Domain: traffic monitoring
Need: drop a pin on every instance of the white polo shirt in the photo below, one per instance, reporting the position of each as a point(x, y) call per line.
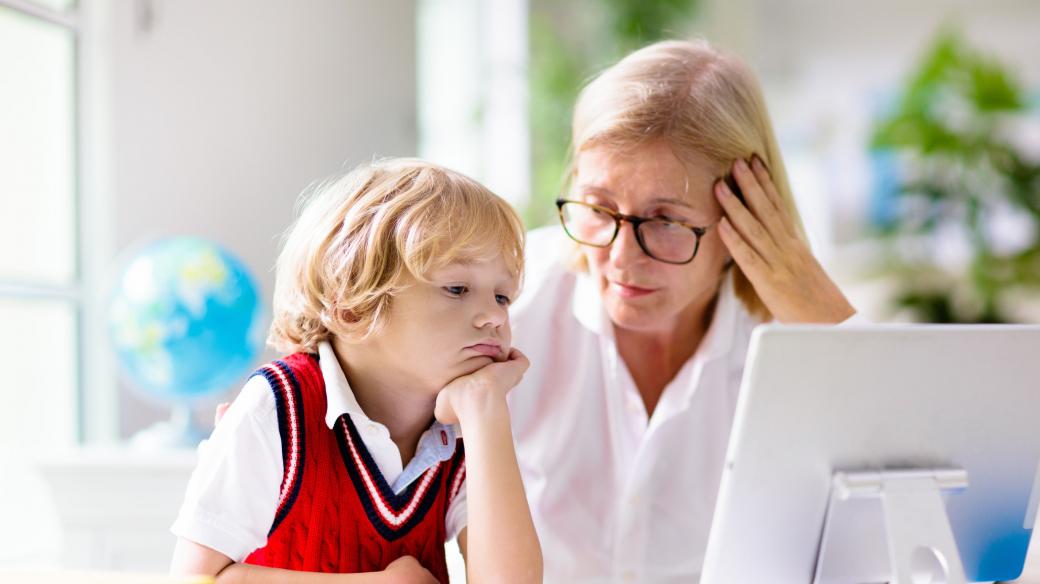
point(232, 496)
point(617, 496)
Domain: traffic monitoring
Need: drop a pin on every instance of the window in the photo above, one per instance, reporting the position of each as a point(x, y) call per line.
point(40, 279)
point(472, 68)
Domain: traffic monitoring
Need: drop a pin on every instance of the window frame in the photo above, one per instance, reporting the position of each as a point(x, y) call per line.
point(94, 392)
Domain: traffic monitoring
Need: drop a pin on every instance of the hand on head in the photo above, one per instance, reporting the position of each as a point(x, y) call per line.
point(767, 245)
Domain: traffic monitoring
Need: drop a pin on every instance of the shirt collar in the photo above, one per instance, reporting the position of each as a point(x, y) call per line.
point(587, 307)
point(435, 445)
point(338, 394)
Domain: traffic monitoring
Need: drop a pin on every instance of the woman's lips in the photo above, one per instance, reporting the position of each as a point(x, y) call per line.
point(629, 291)
point(486, 349)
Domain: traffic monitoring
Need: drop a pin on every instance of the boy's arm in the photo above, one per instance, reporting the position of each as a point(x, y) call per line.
point(192, 558)
point(197, 559)
point(505, 546)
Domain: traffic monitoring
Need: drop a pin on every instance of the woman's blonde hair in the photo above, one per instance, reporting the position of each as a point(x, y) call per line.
point(706, 104)
point(359, 237)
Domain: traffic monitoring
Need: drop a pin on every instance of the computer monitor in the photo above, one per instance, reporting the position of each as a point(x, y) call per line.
point(819, 401)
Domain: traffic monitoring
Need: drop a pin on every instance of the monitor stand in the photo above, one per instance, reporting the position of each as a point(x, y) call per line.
point(890, 526)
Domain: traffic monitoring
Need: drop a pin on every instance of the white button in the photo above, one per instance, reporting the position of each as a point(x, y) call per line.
point(373, 429)
point(629, 576)
point(635, 499)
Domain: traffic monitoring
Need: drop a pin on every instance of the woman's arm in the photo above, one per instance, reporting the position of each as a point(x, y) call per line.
point(505, 546)
point(192, 558)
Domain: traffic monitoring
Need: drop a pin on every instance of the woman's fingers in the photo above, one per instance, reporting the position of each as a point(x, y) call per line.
point(756, 186)
point(750, 262)
point(743, 222)
point(773, 195)
point(765, 180)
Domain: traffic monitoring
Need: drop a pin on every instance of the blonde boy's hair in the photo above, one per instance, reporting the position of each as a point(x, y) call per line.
point(706, 104)
point(359, 238)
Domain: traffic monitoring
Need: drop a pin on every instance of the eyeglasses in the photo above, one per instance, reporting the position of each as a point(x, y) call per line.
point(665, 240)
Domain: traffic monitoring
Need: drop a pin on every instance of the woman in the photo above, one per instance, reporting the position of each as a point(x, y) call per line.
point(637, 314)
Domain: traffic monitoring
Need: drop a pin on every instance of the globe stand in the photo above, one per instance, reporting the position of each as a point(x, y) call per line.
point(179, 431)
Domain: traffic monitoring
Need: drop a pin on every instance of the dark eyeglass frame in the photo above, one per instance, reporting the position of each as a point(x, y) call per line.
point(635, 221)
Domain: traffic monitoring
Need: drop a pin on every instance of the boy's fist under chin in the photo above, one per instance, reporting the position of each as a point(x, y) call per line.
point(481, 391)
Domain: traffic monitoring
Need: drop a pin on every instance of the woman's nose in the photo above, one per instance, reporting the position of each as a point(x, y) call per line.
point(626, 249)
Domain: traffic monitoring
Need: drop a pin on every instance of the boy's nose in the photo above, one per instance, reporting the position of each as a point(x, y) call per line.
point(493, 314)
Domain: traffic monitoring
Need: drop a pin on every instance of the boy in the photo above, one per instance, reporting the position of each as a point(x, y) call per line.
point(391, 299)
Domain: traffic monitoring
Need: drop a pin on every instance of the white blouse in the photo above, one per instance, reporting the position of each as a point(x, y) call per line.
point(617, 496)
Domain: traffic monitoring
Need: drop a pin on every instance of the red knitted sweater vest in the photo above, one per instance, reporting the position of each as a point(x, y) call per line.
point(336, 512)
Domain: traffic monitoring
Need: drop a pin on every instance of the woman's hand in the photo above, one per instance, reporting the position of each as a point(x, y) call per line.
point(484, 388)
point(765, 243)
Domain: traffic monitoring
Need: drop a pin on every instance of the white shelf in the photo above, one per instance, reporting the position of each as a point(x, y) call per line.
point(115, 505)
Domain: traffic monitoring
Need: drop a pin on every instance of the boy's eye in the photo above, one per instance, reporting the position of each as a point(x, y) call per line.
point(502, 299)
point(455, 290)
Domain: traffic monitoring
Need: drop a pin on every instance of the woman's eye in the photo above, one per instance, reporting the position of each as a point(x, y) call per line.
point(455, 290)
point(596, 202)
point(672, 221)
point(502, 299)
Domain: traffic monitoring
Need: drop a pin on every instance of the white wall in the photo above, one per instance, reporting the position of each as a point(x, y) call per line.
point(222, 112)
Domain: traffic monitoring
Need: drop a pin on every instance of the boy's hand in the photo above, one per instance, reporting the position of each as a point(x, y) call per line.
point(484, 388)
point(407, 570)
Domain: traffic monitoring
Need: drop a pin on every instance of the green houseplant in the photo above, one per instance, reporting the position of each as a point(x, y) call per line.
point(953, 133)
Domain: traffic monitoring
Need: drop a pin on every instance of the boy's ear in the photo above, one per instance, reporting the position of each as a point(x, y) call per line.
point(335, 315)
